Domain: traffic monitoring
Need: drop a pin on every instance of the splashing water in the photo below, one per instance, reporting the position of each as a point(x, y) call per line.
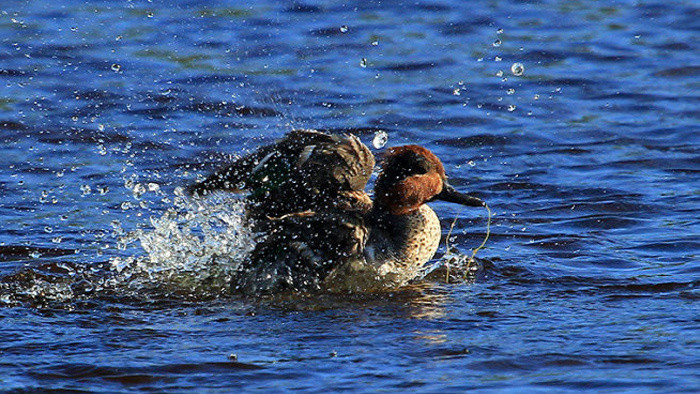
point(194, 248)
point(380, 139)
point(517, 69)
point(465, 266)
point(192, 251)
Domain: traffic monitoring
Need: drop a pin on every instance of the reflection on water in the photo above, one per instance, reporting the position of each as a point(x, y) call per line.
point(428, 301)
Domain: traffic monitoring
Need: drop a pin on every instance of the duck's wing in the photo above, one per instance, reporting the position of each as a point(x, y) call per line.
point(300, 250)
point(235, 177)
point(306, 170)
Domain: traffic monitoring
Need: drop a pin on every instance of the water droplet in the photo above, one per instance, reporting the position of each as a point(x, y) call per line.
point(497, 43)
point(517, 69)
point(118, 38)
point(48, 229)
point(375, 43)
point(85, 190)
point(471, 163)
point(101, 127)
point(126, 205)
point(149, 14)
point(57, 240)
point(74, 28)
point(497, 59)
point(363, 62)
point(380, 139)
point(116, 67)
point(510, 91)
point(511, 108)
point(499, 73)
point(103, 190)
point(138, 190)
point(153, 187)
point(536, 97)
point(499, 31)
point(344, 29)
point(456, 92)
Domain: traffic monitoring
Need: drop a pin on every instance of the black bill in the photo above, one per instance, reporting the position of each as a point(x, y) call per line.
point(450, 194)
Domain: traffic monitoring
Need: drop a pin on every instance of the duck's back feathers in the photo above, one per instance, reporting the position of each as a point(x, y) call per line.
point(306, 170)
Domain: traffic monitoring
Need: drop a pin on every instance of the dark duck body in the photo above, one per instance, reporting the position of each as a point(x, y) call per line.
point(306, 170)
point(320, 230)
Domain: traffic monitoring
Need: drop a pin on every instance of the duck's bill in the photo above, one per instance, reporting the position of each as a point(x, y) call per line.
point(450, 194)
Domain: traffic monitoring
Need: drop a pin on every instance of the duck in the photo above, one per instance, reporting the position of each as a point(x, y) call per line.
point(319, 230)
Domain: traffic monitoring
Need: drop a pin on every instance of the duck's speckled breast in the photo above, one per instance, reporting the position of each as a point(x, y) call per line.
point(414, 244)
point(395, 253)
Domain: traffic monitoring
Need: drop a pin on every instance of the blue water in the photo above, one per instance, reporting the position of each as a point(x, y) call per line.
point(590, 161)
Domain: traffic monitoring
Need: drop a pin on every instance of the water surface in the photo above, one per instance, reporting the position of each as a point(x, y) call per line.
point(110, 281)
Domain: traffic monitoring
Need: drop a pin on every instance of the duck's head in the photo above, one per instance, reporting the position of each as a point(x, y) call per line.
point(411, 176)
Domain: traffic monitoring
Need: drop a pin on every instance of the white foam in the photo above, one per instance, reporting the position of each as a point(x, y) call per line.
point(194, 248)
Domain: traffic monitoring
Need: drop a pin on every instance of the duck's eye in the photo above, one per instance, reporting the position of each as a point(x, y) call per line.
point(402, 167)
